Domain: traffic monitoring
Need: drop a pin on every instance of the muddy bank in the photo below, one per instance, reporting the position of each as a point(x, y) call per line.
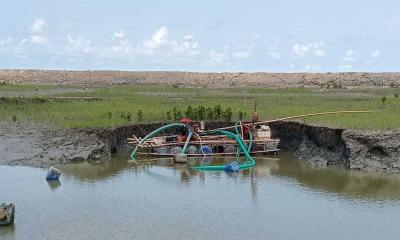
point(201, 79)
point(373, 151)
point(40, 146)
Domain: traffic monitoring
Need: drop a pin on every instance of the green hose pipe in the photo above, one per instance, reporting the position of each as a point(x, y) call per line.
point(152, 134)
point(248, 164)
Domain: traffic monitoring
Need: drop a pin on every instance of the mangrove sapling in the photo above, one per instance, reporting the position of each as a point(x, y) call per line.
point(217, 112)
point(201, 112)
point(189, 112)
point(228, 114)
point(209, 114)
point(240, 115)
point(140, 116)
point(383, 100)
point(179, 115)
point(110, 115)
point(129, 117)
point(169, 117)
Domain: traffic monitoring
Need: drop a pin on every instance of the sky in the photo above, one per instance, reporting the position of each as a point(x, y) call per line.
point(206, 35)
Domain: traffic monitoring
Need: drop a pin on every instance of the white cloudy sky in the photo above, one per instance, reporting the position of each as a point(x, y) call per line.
point(207, 35)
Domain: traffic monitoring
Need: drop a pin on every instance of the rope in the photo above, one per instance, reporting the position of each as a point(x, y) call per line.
point(291, 117)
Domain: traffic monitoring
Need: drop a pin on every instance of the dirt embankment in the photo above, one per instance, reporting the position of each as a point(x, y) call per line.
point(373, 151)
point(229, 79)
point(39, 146)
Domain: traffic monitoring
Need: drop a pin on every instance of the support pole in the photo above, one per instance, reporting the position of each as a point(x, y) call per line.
point(187, 142)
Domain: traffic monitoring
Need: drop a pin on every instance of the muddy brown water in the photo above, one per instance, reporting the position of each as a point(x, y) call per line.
point(281, 198)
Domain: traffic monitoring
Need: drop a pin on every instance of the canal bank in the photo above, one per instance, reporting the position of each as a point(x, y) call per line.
point(40, 146)
point(362, 150)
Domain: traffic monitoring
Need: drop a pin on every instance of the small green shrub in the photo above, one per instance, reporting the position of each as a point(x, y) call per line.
point(129, 117)
point(217, 112)
point(228, 114)
point(140, 116)
point(169, 117)
point(109, 115)
point(189, 112)
point(240, 115)
point(201, 112)
point(209, 114)
point(383, 100)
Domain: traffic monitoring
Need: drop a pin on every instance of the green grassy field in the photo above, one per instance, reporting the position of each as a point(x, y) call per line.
point(67, 107)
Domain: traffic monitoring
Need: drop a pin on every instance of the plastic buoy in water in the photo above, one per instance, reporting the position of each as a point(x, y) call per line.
point(53, 174)
point(232, 167)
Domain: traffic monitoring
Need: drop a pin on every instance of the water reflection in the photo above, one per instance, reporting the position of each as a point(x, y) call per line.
point(89, 171)
point(53, 185)
point(350, 184)
point(8, 232)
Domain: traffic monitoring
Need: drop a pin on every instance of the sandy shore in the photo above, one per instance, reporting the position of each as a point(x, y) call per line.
point(231, 79)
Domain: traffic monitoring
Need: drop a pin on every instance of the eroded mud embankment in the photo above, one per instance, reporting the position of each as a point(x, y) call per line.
point(318, 146)
point(353, 149)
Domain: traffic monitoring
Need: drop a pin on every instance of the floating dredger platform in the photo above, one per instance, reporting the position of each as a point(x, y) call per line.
point(193, 139)
point(189, 138)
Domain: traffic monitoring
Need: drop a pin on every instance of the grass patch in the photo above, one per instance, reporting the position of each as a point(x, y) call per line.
point(121, 105)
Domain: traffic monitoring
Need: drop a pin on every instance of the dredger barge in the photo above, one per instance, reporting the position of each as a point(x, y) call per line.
point(188, 138)
point(192, 139)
